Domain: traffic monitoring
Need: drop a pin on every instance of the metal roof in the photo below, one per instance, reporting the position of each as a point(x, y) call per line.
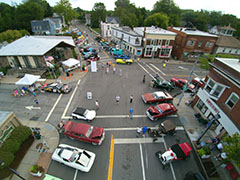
point(155, 30)
point(34, 45)
point(232, 63)
point(194, 32)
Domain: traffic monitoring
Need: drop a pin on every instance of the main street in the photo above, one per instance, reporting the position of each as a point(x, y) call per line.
point(128, 157)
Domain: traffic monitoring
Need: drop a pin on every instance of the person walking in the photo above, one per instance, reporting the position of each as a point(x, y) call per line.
point(107, 69)
point(131, 113)
point(131, 98)
point(36, 101)
point(144, 130)
point(144, 78)
point(97, 105)
point(139, 130)
point(120, 72)
point(102, 66)
point(114, 70)
point(117, 99)
point(34, 94)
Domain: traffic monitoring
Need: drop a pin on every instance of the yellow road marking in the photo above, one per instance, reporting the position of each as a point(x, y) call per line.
point(110, 167)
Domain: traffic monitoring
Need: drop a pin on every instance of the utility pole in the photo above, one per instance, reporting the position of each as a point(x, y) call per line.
point(189, 79)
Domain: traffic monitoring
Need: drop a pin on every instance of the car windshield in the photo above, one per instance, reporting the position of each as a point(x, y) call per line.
point(155, 95)
point(89, 132)
point(160, 110)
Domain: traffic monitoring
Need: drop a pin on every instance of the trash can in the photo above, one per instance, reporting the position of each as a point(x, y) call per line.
point(89, 95)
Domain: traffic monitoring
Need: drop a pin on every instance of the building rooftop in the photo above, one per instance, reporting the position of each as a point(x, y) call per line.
point(34, 45)
point(228, 41)
point(126, 30)
point(232, 63)
point(3, 115)
point(154, 30)
point(194, 32)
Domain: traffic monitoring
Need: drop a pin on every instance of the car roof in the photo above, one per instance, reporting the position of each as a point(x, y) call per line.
point(160, 94)
point(80, 128)
point(164, 106)
point(79, 110)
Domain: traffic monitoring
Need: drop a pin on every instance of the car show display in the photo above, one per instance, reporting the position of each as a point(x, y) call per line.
point(180, 82)
point(57, 88)
point(124, 61)
point(74, 157)
point(169, 86)
point(83, 113)
point(158, 96)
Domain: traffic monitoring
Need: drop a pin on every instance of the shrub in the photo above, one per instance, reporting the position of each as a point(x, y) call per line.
point(21, 133)
point(7, 157)
point(74, 54)
point(11, 145)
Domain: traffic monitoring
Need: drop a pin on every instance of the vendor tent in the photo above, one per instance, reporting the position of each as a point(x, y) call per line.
point(71, 62)
point(28, 79)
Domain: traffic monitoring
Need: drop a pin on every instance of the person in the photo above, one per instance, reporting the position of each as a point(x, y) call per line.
point(157, 76)
point(102, 65)
point(144, 130)
point(131, 113)
point(144, 78)
point(97, 104)
point(152, 84)
point(113, 65)
point(107, 70)
point(120, 72)
point(36, 101)
point(139, 130)
point(131, 98)
point(114, 70)
point(34, 94)
point(109, 63)
point(155, 138)
point(117, 99)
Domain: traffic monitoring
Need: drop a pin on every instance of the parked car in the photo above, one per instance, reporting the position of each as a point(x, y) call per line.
point(161, 110)
point(121, 56)
point(84, 132)
point(83, 113)
point(158, 96)
point(163, 84)
point(92, 59)
point(175, 152)
point(74, 157)
point(124, 61)
point(180, 82)
point(57, 88)
point(197, 82)
point(116, 51)
point(90, 54)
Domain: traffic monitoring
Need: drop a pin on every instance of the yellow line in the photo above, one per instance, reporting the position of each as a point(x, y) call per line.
point(110, 167)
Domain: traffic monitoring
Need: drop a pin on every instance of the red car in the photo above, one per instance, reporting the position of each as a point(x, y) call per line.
point(160, 110)
point(158, 96)
point(180, 82)
point(84, 132)
point(92, 59)
point(198, 82)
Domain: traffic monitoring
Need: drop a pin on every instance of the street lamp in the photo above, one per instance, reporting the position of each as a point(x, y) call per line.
point(12, 170)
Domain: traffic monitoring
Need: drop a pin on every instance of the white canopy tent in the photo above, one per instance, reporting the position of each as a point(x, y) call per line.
point(71, 62)
point(28, 79)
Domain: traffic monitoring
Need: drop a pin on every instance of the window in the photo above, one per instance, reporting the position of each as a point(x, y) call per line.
point(165, 52)
point(38, 65)
point(129, 38)
point(167, 42)
point(122, 36)
point(236, 51)
point(209, 86)
point(108, 27)
point(201, 106)
point(148, 52)
point(217, 91)
point(26, 62)
point(232, 100)
point(153, 42)
point(137, 41)
point(190, 43)
point(209, 44)
point(200, 44)
point(214, 89)
point(230, 50)
point(224, 49)
point(159, 42)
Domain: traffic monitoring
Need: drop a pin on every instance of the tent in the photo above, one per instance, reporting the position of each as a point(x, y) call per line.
point(71, 62)
point(28, 79)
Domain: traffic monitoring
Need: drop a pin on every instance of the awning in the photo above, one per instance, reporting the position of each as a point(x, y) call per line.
point(28, 79)
point(71, 62)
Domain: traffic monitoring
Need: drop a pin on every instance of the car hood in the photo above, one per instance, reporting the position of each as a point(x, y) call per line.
point(97, 132)
point(153, 109)
point(191, 87)
point(91, 114)
point(148, 96)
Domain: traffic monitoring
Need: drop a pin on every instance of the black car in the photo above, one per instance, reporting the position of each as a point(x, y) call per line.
point(90, 55)
point(57, 88)
point(163, 84)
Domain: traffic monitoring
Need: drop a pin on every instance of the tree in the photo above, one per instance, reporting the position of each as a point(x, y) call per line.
point(64, 8)
point(7, 17)
point(169, 8)
point(26, 13)
point(157, 19)
point(48, 11)
point(232, 147)
point(98, 14)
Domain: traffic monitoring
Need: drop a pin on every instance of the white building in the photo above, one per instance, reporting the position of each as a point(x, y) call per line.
point(106, 27)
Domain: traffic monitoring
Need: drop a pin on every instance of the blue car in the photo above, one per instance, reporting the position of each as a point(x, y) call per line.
point(121, 57)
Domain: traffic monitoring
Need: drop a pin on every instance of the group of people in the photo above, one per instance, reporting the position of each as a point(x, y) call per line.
point(141, 131)
point(108, 65)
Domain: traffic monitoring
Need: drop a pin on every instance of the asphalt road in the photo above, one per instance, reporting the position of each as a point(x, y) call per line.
point(132, 158)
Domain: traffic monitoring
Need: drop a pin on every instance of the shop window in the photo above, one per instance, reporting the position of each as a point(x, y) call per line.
point(232, 100)
point(159, 42)
point(165, 52)
point(167, 42)
point(148, 52)
point(200, 44)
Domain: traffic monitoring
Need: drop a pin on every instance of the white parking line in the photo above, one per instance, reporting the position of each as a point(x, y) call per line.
point(75, 175)
point(154, 71)
point(145, 70)
point(137, 140)
point(143, 169)
point(157, 69)
point(50, 113)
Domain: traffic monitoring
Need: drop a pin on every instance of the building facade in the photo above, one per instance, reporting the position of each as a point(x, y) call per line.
point(157, 42)
point(106, 27)
point(127, 39)
point(190, 43)
point(221, 95)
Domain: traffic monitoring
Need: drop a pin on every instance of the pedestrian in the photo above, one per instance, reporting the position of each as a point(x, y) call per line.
point(97, 104)
point(144, 130)
point(117, 99)
point(109, 63)
point(144, 78)
point(120, 72)
point(164, 65)
point(102, 66)
point(36, 101)
point(114, 70)
point(131, 113)
point(139, 130)
point(157, 76)
point(107, 70)
point(131, 98)
point(34, 94)
point(113, 65)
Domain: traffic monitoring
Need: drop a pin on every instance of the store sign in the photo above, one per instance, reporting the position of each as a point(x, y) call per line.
point(212, 105)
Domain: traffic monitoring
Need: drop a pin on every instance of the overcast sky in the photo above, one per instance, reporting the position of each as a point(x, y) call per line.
point(226, 6)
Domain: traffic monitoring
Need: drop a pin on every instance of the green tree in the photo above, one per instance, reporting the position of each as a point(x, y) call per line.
point(98, 14)
point(26, 13)
point(48, 10)
point(141, 14)
point(64, 8)
point(157, 19)
point(7, 17)
point(231, 147)
point(169, 8)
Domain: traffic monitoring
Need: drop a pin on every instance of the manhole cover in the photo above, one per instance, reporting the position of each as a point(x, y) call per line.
point(34, 118)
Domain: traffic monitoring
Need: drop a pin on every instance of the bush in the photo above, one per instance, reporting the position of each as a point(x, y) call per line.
point(74, 54)
point(21, 133)
point(7, 157)
point(11, 145)
point(5, 69)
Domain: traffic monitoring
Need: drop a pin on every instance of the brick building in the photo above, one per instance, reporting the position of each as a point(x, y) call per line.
point(221, 95)
point(190, 43)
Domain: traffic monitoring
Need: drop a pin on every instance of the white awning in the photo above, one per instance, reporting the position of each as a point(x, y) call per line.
point(28, 79)
point(71, 62)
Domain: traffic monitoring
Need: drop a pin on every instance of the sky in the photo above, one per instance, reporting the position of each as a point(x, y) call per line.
point(227, 7)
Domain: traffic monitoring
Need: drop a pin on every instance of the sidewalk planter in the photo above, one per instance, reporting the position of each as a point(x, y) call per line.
point(36, 170)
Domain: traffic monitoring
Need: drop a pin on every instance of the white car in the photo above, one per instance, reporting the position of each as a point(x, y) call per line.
point(74, 157)
point(83, 113)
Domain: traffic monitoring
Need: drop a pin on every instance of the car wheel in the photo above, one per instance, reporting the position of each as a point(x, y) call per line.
point(71, 138)
point(95, 144)
point(157, 153)
point(74, 117)
point(88, 120)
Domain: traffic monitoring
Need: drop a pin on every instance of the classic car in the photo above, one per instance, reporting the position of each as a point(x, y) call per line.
point(163, 84)
point(158, 96)
point(83, 113)
point(124, 61)
point(57, 88)
point(180, 82)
